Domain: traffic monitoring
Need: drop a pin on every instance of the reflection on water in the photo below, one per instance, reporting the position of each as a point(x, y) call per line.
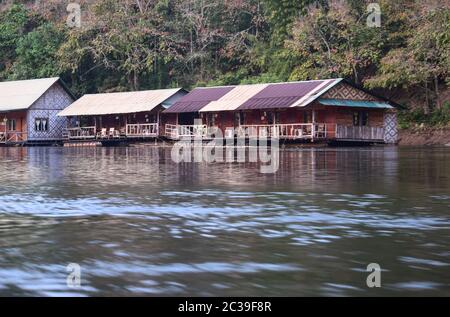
point(138, 223)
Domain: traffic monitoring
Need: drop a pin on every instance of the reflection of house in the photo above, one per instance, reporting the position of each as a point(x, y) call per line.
point(119, 115)
point(310, 110)
point(28, 110)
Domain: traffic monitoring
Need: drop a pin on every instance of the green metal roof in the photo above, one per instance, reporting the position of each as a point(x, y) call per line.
point(355, 103)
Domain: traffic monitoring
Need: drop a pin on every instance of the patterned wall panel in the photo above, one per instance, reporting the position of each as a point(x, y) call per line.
point(48, 106)
point(390, 127)
point(345, 91)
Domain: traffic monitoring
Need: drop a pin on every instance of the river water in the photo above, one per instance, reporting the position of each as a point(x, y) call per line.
point(139, 224)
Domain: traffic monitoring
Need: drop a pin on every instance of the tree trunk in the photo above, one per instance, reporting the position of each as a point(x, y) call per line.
point(427, 100)
point(355, 72)
point(135, 81)
point(436, 91)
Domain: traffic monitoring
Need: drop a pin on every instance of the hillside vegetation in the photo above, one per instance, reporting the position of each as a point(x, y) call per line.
point(146, 44)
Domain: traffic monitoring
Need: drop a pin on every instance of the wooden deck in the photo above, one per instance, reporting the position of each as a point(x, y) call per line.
point(130, 131)
point(176, 132)
point(146, 130)
point(296, 131)
point(359, 133)
point(13, 138)
point(300, 131)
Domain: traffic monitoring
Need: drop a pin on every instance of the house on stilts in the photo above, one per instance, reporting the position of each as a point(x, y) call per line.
point(112, 117)
point(332, 110)
point(29, 108)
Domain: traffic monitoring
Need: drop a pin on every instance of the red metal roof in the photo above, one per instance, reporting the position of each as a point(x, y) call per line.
point(197, 99)
point(280, 95)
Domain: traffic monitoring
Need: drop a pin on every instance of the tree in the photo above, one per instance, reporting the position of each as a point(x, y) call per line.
point(36, 53)
point(217, 33)
point(334, 41)
point(423, 62)
point(282, 14)
point(13, 23)
point(124, 37)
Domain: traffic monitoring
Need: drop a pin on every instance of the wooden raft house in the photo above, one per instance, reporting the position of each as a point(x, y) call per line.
point(28, 111)
point(116, 117)
point(332, 110)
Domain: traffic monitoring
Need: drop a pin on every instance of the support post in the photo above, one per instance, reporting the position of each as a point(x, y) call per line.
point(313, 130)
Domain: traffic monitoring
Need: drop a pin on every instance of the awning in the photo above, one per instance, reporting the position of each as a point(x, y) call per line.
point(355, 103)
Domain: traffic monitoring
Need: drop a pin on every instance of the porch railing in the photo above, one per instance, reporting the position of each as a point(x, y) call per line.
point(179, 131)
point(80, 133)
point(142, 130)
point(285, 131)
point(359, 133)
point(13, 137)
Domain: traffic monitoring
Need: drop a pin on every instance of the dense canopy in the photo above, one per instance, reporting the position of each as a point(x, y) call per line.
point(127, 45)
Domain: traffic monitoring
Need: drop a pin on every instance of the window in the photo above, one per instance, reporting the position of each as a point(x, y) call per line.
point(11, 124)
point(242, 118)
point(273, 117)
point(360, 118)
point(356, 119)
point(364, 118)
point(211, 119)
point(307, 117)
point(41, 124)
point(239, 119)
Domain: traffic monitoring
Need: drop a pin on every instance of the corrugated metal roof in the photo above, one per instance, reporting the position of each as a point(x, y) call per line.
point(355, 103)
point(21, 94)
point(119, 102)
point(285, 95)
point(197, 99)
point(316, 92)
point(235, 98)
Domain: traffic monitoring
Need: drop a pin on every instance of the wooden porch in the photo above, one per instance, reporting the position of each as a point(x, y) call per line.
point(297, 131)
point(359, 133)
point(280, 131)
point(129, 131)
point(285, 131)
point(13, 138)
point(176, 132)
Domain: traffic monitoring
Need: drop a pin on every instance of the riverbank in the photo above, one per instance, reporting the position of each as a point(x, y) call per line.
point(424, 136)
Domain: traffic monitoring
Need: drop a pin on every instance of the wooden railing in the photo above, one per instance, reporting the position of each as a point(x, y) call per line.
point(142, 130)
point(180, 131)
point(359, 133)
point(80, 133)
point(282, 131)
point(13, 137)
point(285, 131)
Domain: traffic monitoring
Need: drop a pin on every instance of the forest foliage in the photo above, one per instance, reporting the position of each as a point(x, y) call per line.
point(147, 44)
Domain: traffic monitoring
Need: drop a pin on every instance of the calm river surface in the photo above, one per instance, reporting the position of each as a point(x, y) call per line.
point(139, 224)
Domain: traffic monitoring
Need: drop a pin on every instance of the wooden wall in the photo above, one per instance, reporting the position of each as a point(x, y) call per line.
point(21, 121)
point(344, 115)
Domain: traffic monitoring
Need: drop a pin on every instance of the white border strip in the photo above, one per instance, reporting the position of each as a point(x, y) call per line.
point(312, 95)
